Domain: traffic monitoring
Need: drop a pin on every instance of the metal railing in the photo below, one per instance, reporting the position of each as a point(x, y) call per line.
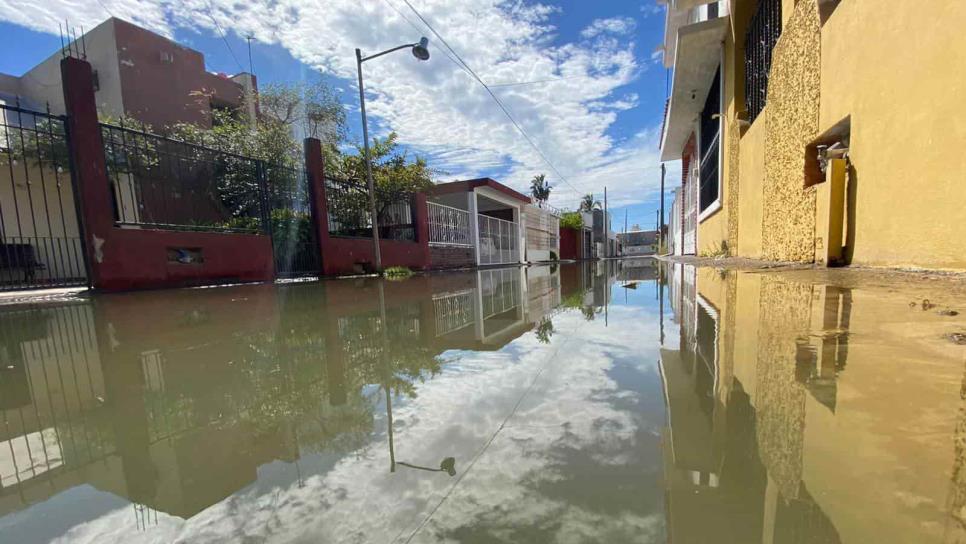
point(499, 240)
point(760, 40)
point(349, 213)
point(160, 182)
point(453, 311)
point(448, 226)
point(40, 241)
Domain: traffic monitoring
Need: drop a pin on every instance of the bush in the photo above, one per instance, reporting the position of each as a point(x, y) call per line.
point(571, 220)
point(397, 273)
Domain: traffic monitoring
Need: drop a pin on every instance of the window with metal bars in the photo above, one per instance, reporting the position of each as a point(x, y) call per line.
point(709, 144)
point(760, 40)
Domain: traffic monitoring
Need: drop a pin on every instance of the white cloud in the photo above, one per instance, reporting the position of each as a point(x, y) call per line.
point(612, 25)
point(435, 107)
point(652, 8)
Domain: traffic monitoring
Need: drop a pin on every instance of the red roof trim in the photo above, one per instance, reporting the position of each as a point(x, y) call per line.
point(470, 184)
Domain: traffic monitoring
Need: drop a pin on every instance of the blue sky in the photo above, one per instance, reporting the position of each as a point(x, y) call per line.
point(597, 123)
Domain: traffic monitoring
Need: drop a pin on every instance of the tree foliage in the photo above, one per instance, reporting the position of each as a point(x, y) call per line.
point(394, 175)
point(540, 188)
point(588, 204)
point(571, 220)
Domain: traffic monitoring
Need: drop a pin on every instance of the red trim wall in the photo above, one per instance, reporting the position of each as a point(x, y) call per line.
point(469, 185)
point(119, 259)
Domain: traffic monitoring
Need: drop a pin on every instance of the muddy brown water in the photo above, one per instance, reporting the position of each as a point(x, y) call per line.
point(607, 402)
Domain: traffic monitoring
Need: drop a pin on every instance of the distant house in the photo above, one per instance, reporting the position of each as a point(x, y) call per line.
point(476, 222)
point(642, 242)
point(138, 74)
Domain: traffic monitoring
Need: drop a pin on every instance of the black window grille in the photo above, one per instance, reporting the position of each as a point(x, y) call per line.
point(710, 138)
point(760, 40)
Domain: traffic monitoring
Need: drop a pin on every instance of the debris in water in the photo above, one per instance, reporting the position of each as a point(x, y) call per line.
point(958, 338)
point(948, 312)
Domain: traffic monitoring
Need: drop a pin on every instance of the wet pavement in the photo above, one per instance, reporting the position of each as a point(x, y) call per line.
point(620, 401)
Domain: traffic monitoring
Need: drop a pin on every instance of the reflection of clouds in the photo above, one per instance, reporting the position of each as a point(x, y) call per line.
point(572, 407)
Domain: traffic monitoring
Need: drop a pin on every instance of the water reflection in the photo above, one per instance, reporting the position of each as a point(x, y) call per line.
point(608, 402)
point(805, 412)
point(175, 401)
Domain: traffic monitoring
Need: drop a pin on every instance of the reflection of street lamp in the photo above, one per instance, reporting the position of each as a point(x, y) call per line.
point(448, 464)
point(420, 51)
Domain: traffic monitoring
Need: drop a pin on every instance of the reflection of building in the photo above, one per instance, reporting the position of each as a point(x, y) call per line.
point(179, 411)
point(782, 428)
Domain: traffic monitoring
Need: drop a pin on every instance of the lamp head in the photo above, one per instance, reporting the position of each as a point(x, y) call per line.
point(421, 49)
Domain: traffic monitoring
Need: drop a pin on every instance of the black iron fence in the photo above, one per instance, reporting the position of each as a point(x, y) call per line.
point(763, 33)
point(40, 239)
point(159, 182)
point(293, 233)
point(350, 212)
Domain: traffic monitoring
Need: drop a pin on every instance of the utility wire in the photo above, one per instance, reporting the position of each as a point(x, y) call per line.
point(493, 96)
point(224, 38)
point(536, 82)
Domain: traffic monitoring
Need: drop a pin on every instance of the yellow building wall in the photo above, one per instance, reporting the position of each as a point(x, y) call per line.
point(893, 72)
point(751, 164)
point(898, 73)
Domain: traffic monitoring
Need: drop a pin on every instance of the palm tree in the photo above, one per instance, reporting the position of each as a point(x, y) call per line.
point(540, 189)
point(587, 204)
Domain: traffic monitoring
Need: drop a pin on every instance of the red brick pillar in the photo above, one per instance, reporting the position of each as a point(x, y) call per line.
point(93, 189)
point(421, 220)
point(315, 169)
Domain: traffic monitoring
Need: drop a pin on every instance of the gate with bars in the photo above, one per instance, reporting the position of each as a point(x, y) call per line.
point(290, 221)
point(40, 237)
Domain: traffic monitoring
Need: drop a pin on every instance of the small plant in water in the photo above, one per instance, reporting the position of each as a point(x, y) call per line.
point(397, 273)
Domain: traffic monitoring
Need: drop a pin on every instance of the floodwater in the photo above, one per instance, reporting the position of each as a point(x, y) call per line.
point(607, 402)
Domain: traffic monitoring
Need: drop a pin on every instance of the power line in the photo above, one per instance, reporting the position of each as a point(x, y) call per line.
point(224, 38)
point(537, 81)
point(493, 96)
point(420, 30)
point(105, 8)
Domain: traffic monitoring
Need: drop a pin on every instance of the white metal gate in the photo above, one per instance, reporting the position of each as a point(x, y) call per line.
point(691, 213)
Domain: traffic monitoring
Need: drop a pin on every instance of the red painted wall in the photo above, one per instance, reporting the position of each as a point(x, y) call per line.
point(346, 255)
point(569, 243)
point(138, 258)
point(164, 92)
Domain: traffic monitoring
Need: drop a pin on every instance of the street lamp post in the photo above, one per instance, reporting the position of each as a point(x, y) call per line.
point(420, 51)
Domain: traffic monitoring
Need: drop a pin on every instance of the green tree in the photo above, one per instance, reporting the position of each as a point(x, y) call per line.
point(571, 220)
point(540, 188)
point(394, 176)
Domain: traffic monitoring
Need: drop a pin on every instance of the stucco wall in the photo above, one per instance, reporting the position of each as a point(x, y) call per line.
point(897, 72)
point(751, 166)
point(793, 121)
